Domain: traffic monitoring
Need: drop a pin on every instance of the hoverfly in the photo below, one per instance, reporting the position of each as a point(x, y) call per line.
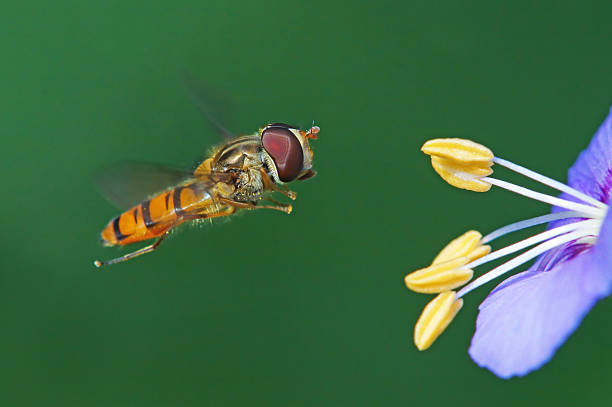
point(238, 175)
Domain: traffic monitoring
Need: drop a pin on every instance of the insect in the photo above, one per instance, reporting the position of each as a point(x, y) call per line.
point(240, 175)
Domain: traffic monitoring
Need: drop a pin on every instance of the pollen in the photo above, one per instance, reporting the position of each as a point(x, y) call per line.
point(440, 277)
point(467, 245)
point(461, 163)
point(435, 318)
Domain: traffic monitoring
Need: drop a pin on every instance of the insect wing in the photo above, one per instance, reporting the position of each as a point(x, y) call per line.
point(127, 183)
point(211, 103)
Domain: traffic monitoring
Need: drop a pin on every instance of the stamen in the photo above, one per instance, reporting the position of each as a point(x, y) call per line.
point(533, 240)
point(447, 270)
point(440, 277)
point(549, 181)
point(538, 196)
point(467, 245)
point(435, 318)
point(525, 257)
point(462, 176)
point(527, 223)
point(462, 163)
point(459, 151)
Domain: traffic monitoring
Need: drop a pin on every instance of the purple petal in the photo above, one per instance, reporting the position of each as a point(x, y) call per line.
point(592, 171)
point(523, 322)
point(527, 317)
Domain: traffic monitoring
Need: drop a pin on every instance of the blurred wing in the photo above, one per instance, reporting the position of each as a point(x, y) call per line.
point(210, 102)
point(127, 183)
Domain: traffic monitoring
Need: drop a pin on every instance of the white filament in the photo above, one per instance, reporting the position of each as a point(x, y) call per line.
point(549, 234)
point(550, 182)
point(552, 200)
point(527, 223)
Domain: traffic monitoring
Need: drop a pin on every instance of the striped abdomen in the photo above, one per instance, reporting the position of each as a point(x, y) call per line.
point(153, 217)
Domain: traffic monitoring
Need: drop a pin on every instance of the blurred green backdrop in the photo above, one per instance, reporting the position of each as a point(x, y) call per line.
point(267, 309)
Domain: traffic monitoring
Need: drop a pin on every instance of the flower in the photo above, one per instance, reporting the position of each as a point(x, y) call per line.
point(527, 317)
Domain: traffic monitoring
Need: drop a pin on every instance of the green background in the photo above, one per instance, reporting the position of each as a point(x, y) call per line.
point(267, 309)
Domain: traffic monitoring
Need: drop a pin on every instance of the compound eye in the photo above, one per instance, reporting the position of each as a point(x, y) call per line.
point(286, 151)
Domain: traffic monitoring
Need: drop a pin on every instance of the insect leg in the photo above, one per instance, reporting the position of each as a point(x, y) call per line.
point(136, 253)
point(194, 216)
point(274, 201)
point(247, 205)
point(271, 185)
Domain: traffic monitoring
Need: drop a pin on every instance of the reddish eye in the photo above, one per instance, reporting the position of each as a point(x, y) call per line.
point(285, 150)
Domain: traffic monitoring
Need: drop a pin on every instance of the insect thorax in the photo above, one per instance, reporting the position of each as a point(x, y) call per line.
point(242, 158)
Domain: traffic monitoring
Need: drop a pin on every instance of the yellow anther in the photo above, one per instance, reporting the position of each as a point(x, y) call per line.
point(435, 318)
point(462, 163)
point(462, 176)
point(467, 245)
point(459, 151)
point(479, 252)
point(440, 277)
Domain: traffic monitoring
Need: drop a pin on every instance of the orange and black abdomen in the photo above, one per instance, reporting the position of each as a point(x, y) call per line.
point(155, 216)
